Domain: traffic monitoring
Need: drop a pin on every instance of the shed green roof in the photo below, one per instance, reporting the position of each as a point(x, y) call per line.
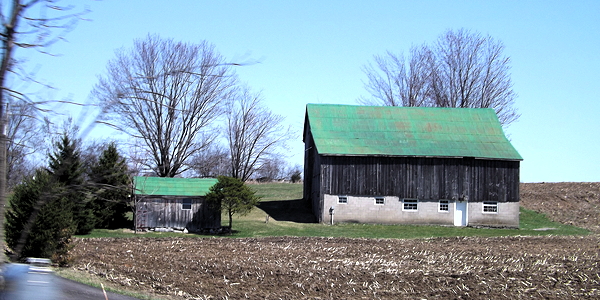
point(164, 186)
point(408, 131)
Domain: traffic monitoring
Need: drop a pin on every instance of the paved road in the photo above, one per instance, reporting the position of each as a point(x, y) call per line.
point(24, 282)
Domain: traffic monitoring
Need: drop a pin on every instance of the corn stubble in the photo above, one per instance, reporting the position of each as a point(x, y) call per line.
point(550, 267)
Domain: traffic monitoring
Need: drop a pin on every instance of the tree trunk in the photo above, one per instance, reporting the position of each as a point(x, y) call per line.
point(230, 220)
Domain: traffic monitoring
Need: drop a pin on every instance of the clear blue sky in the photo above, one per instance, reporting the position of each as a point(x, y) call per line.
point(313, 51)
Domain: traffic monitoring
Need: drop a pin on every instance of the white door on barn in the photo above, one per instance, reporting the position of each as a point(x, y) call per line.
point(460, 213)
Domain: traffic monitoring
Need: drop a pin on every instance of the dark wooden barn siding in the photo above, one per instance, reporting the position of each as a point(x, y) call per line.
point(312, 175)
point(422, 178)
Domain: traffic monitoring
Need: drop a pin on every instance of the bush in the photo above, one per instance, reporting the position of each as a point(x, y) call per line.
point(296, 176)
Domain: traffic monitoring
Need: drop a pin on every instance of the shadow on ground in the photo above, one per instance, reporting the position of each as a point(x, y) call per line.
point(288, 210)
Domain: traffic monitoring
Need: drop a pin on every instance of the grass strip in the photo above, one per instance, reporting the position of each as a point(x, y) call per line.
point(95, 281)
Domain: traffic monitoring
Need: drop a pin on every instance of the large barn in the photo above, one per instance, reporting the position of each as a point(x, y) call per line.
point(410, 165)
point(174, 203)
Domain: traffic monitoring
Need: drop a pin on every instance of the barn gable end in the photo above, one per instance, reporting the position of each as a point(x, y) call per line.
point(455, 166)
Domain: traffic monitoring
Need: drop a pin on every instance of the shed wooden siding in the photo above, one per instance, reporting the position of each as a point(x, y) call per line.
point(167, 212)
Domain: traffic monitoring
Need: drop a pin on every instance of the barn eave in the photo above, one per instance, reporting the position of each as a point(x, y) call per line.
point(416, 156)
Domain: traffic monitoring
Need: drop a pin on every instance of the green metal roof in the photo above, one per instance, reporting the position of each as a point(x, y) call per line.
point(165, 186)
point(408, 131)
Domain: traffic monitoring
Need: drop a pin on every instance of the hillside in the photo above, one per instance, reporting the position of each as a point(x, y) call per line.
point(573, 203)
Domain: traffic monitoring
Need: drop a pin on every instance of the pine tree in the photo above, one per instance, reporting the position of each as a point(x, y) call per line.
point(65, 163)
point(66, 167)
point(52, 231)
point(39, 220)
point(111, 181)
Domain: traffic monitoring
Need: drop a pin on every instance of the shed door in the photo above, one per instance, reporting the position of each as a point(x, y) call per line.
point(460, 213)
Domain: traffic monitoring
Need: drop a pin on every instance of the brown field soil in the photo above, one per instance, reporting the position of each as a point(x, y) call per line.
point(545, 267)
point(341, 268)
point(572, 203)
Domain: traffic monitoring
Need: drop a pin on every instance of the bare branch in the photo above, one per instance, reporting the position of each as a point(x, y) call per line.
point(253, 133)
point(462, 69)
point(168, 94)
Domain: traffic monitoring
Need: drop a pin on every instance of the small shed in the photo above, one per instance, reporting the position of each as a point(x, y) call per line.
point(174, 203)
point(410, 165)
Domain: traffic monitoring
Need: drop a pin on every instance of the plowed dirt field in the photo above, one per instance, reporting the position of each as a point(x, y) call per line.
point(339, 268)
point(573, 203)
point(548, 267)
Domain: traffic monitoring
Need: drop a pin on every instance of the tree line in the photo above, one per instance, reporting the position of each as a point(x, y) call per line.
point(73, 196)
point(67, 197)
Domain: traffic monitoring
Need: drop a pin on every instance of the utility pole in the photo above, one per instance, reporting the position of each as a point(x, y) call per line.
point(3, 120)
point(8, 44)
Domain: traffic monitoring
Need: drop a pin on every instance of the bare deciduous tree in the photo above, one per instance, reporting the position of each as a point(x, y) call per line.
point(294, 174)
point(271, 169)
point(23, 140)
point(462, 69)
point(167, 94)
point(471, 71)
point(137, 159)
point(212, 162)
point(393, 82)
point(254, 133)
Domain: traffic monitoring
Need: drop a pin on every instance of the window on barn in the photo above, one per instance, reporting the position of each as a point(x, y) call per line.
point(379, 200)
point(490, 207)
point(444, 205)
point(343, 199)
point(186, 203)
point(410, 204)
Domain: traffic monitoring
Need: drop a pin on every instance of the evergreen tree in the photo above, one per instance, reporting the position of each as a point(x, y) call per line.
point(65, 163)
point(111, 180)
point(25, 197)
point(233, 196)
point(39, 220)
point(52, 231)
point(65, 166)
